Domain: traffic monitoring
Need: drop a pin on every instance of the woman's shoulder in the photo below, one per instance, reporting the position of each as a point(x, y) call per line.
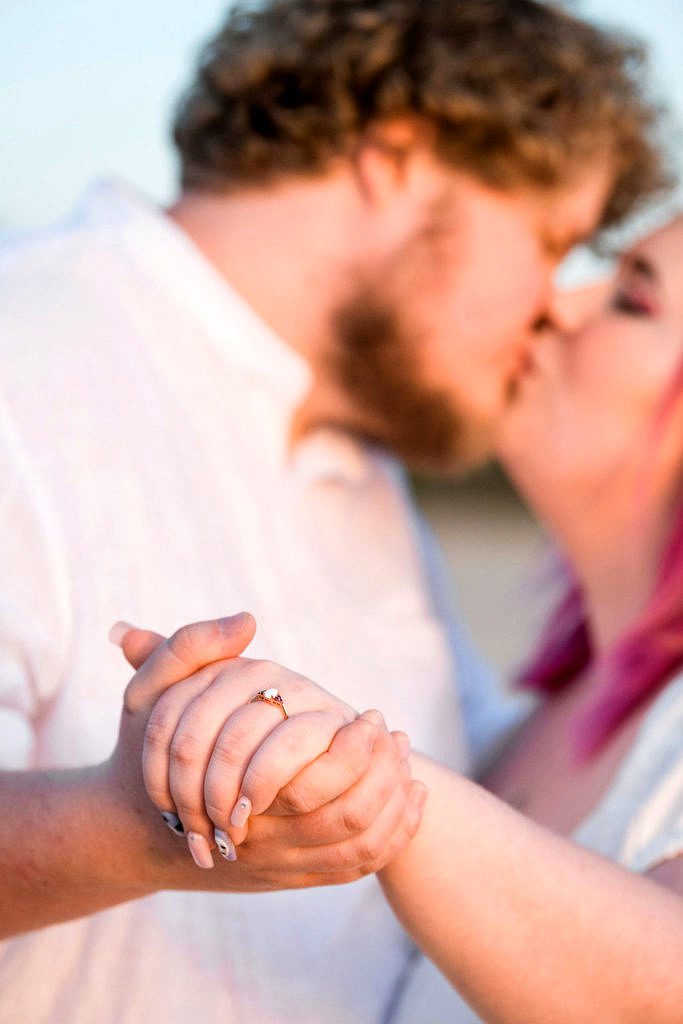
point(639, 821)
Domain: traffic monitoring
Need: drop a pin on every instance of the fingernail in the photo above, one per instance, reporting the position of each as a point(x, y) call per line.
point(119, 630)
point(231, 620)
point(199, 848)
point(173, 822)
point(376, 717)
point(240, 812)
point(224, 844)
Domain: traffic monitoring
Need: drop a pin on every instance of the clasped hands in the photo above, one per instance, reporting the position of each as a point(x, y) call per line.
point(322, 797)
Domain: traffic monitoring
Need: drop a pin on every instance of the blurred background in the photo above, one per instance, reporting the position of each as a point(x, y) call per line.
point(87, 89)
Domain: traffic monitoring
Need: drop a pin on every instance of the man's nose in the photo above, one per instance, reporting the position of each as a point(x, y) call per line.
point(569, 309)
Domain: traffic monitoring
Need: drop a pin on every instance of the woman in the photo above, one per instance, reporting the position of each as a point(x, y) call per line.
point(519, 894)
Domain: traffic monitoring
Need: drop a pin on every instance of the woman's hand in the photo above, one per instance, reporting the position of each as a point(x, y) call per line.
point(211, 758)
point(328, 838)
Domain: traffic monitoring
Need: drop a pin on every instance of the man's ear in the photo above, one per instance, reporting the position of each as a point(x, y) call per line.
point(382, 160)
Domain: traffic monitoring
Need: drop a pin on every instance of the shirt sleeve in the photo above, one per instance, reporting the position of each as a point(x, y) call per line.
point(34, 601)
point(654, 786)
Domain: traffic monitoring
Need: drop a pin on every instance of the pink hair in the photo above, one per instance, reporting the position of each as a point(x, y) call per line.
point(645, 656)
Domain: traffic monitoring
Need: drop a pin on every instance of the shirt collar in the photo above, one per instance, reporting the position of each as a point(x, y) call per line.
point(167, 255)
point(331, 456)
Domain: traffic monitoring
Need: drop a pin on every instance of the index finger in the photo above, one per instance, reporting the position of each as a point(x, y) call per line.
point(189, 649)
point(334, 771)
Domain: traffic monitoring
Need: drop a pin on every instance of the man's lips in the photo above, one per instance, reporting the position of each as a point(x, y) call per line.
point(524, 366)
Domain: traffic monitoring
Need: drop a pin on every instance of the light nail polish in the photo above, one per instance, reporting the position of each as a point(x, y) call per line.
point(376, 717)
point(199, 848)
point(173, 822)
point(118, 631)
point(240, 812)
point(225, 845)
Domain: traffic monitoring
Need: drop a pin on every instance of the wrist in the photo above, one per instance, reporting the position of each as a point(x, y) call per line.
point(100, 832)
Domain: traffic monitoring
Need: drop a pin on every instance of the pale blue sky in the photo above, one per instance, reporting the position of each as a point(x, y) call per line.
point(87, 88)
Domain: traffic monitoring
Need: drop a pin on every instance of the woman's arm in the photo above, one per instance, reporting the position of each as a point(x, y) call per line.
point(530, 927)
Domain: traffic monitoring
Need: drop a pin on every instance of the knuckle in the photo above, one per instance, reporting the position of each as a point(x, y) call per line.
point(228, 755)
point(257, 780)
point(341, 857)
point(355, 816)
point(185, 749)
point(287, 801)
point(368, 850)
point(388, 853)
point(190, 814)
point(256, 673)
point(157, 734)
point(217, 812)
point(182, 643)
point(303, 796)
point(296, 798)
point(264, 667)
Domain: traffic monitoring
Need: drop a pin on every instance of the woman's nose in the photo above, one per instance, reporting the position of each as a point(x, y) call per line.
point(570, 309)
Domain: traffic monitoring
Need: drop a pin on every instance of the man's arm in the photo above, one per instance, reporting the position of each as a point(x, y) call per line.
point(76, 842)
point(69, 848)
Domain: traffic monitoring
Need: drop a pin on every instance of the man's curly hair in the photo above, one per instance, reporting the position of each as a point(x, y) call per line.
point(516, 92)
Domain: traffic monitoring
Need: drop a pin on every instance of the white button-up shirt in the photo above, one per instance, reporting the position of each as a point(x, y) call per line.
point(147, 475)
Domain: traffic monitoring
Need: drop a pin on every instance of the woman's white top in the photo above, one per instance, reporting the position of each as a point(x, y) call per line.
point(638, 823)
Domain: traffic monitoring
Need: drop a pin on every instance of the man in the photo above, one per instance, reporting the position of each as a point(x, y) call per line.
point(195, 411)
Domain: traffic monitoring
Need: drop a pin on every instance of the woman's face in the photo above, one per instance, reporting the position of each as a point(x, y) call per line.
point(586, 407)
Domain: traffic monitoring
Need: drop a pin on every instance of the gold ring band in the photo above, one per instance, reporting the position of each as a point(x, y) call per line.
point(270, 696)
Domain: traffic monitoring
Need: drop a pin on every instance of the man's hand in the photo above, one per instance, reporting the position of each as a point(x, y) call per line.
point(79, 841)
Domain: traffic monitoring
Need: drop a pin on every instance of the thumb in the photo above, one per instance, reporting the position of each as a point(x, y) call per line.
point(187, 650)
point(136, 644)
